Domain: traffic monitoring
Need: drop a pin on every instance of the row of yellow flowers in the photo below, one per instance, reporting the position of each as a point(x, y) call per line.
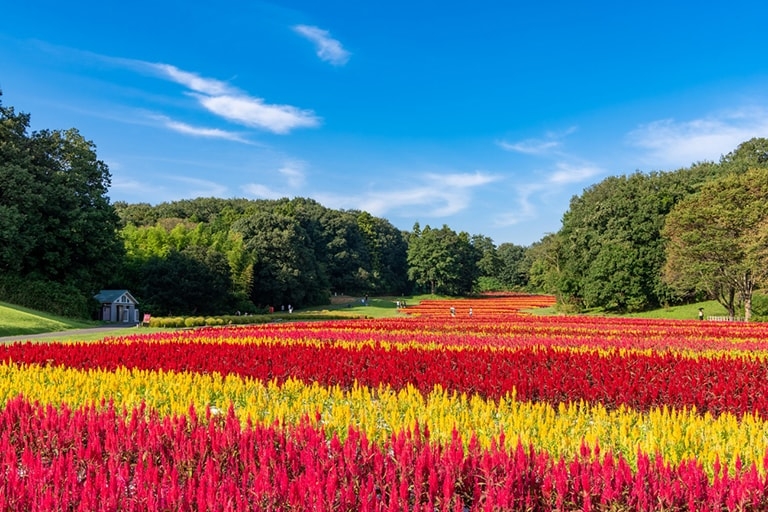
point(677, 435)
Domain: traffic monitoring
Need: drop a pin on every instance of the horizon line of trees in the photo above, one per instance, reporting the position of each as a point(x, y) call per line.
point(62, 240)
point(208, 254)
point(646, 240)
point(629, 243)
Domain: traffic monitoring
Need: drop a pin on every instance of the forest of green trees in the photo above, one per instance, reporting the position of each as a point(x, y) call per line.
point(629, 243)
point(209, 255)
point(635, 242)
point(61, 241)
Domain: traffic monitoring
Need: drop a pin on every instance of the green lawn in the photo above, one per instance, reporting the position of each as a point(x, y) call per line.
point(682, 312)
point(15, 320)
point(685, 311)
point(377, 307)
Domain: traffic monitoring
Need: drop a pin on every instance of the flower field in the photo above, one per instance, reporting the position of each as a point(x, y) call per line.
point(432, 410)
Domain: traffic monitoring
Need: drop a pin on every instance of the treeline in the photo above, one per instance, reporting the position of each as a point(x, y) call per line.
point(628, 243)
point(58, 238)
point(641, 241)
point(209, 255)
point(61, 241)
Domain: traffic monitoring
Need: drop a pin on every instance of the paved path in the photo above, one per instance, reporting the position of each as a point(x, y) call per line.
point(69, 332)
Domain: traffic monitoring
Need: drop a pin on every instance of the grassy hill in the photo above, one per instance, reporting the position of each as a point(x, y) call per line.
point(15, 320)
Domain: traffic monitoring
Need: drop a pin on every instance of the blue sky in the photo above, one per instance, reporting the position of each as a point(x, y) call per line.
point(485, 116)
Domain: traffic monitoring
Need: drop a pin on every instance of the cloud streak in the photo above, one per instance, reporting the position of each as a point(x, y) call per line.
point(255, 113)
point(292, 172)
point(564, 170)
point(568, 173)
point(167, 188)
point(551, 142)
point(260, 191)
point(328, 49)
point(197, 131)
point(230, 103)
point(531, 196)
point(201, 188)
point(670, 143)
point(438, 195)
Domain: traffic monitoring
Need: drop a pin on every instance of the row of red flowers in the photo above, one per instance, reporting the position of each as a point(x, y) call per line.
point(642, 381)
point(510, 330)
point(100, 459)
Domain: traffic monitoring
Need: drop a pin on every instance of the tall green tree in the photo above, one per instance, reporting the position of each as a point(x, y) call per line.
point(611, 250)
point(718, 239)
point(442, 261)
point(748, 155)
point(514, 268)
point(193, 281)
point(347, 261)
point(56, 221)
point(285, 270)
point(388, 252)
point(544, 261)
point(489, 264)
point(17, 204)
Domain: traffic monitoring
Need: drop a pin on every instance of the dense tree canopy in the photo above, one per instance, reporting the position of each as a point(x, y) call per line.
point(56, 221)
point(514, 267)
point(609, 251)
point(280, 252)
point(213, 255)
point(442, 261)
point(718, 239)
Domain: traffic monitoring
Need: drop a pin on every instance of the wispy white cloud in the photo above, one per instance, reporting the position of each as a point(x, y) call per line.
point(228, 102)
point(125, 184)
point(567, 173)
point(216, 96)
point(293, 172)
point(255, 113)
point(670, 143)
point(260, 191)
point(524, 208)
point(436, 195)
point(211, 133)
point(531, 197)
point(328, 48)
point(166, 188)
point(196, 187)
point(551, 142)
point(192, 81)
point(529, 146)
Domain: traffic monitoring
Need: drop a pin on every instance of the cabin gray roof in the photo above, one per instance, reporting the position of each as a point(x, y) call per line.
point(110, 296)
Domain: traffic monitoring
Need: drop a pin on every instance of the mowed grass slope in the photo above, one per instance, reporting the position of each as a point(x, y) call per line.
point(15, 320)
point(375, 307)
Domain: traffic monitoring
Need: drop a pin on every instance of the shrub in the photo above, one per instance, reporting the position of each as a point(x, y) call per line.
point(51, 297)
point(759, 307)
